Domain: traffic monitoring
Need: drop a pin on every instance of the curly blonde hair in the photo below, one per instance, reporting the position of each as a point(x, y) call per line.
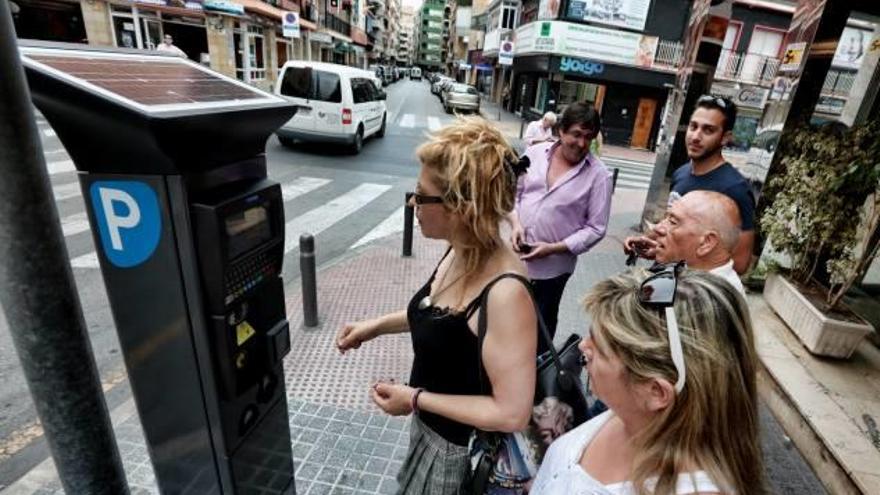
point(469, 161)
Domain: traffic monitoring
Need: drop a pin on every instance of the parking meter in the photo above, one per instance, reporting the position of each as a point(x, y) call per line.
point(189, 234)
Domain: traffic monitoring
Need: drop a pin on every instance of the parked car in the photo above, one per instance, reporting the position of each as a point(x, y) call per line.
point(335, 104)
point(444, 87)
point(461, 97)
point(437, 84)
point(415, 74)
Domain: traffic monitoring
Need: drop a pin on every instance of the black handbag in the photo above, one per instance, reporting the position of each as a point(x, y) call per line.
point(560, 404)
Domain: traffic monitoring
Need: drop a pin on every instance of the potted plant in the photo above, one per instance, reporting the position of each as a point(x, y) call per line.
point(826, 205)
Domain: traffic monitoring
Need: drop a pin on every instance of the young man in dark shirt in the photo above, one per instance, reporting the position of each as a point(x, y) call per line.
point(710, 128)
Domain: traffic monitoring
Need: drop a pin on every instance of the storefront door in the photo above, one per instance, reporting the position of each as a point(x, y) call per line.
point(151, 33)
point(644, 121)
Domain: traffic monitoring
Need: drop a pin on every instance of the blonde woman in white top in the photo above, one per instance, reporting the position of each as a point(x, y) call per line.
point(671, 353)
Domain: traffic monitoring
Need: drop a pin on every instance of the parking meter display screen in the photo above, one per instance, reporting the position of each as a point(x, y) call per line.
point(246, 230)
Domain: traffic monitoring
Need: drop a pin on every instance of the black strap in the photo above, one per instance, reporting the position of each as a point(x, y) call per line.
point(430, 280)
point(482, 325)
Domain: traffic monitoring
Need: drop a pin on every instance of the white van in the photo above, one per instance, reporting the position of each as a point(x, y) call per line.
point(415, 74)
point(336, 104)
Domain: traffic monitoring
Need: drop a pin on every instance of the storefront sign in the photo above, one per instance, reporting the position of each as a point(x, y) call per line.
point(548, 9)
point(794, 55)
point(580, 66)
point(320, 37)
point(851, 48)
point(290, 25)
point(190, 4)
point(224, 6)
point(751, 97)
point(630, 14)
point(828, 104)
point(584, 41)
point(505, 53)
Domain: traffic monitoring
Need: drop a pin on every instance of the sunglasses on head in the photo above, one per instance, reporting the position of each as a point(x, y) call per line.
point(658, 292)
point(713, 100)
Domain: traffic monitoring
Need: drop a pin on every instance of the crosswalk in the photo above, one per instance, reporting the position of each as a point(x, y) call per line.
point(632, 175)
point(427, 122)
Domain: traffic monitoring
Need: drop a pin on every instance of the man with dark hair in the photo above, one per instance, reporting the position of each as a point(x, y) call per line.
point(709, 130)
point(562, 208)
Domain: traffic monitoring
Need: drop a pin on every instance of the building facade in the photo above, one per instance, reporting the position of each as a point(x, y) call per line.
point(238, 38)
point(430, 47)
point(405, 37)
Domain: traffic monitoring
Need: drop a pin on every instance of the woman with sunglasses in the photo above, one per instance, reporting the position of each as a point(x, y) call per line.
point(672, 355)
point(465, 190)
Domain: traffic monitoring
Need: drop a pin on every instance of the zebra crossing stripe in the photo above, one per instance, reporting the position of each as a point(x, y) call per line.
point(434, 124)
point(320, 219)
point(60, 167)
point(49, 132)
point(88, 260)
point(75, 224)
point(301, 186)
point(66, 191)
point(408, 120)
point(391, 225)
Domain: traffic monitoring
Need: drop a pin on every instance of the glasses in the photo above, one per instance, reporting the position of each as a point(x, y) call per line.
point(658, 291)
point(714, 100)
point(422, 199)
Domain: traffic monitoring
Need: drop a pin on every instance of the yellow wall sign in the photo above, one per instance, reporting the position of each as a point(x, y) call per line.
point(794, 55)
point(243, 332)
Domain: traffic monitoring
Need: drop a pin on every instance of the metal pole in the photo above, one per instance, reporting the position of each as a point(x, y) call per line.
point(309, 279)
point(522, 124)
point(408, 213)
point(614, 180)
point(39, 297)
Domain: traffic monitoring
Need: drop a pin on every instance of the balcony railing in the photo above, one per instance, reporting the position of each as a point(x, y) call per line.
point(336, 24)
point(749, 68)
point(838, 83)
point(668, 54)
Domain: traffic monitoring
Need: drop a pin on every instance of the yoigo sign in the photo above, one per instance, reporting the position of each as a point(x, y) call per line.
point(581, 66)
point(129, 223)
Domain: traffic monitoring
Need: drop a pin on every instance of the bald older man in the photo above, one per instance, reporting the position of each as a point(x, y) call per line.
point(702, 228)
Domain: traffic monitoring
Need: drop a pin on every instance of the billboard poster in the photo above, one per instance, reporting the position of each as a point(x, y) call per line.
point(630, 14)
point(851, 49)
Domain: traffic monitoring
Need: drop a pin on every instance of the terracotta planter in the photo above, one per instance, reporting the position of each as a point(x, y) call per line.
point(820, 334)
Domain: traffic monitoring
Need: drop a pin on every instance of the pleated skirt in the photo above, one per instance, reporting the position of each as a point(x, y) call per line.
point(433, 465)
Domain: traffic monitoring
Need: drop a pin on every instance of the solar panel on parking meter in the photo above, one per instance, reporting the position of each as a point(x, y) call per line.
point(190, 236)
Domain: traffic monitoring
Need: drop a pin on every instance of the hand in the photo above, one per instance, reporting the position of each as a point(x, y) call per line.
point(517, 237)
point(539, 250)
point(352, 335)
point(641, 245)
point(393, 398)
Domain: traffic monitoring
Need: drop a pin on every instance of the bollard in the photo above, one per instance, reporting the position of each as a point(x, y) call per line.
point(614, 180)
point(408, 213)
point(309, 280)
point(522, 125)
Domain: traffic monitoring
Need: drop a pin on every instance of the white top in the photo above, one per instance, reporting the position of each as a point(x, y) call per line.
point(536, 133)
point(561, 471)
point(165, 47)
point(727, 272)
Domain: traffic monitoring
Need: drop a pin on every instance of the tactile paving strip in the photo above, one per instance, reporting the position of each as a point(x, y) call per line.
point(374, 282)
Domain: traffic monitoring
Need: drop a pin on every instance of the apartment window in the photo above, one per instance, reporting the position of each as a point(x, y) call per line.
point(257, 53)
point(508, 15)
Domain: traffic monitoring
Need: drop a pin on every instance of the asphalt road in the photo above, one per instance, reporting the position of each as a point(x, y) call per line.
point(344, 200)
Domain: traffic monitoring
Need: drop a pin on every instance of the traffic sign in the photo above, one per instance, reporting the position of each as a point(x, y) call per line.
point(505, 53)
point(129, 224)
point(290, 25)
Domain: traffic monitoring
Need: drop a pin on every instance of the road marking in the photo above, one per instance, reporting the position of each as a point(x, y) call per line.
point(60, 167)
point(391, 225)
point(66, 191)
point(408, 120)
point(52, 152)
point(88, 260)
point(319, 219)
point(49, 132)
point(75, 224)
point(301, 186)
point(434, 124)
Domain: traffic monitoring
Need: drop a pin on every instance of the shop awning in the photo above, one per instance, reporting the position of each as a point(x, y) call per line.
point(191, 9)
point(266, 10)
point(342, 47)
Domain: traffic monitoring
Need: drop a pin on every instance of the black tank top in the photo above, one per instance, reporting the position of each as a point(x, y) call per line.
point(446, 358)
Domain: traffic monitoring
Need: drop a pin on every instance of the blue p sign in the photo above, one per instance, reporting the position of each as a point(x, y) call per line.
point(129, 224)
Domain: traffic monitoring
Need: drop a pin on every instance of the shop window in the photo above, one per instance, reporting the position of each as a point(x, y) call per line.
point(541, 95)
point(573, 91)
point(256, 53)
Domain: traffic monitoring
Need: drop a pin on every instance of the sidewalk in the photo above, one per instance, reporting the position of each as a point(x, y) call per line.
point(513, 126)
point(341, 443)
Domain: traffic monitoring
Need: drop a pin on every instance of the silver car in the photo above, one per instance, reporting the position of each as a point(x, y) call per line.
point(461, 97)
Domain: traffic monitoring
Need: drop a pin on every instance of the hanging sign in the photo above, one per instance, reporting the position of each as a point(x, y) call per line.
point(290, 25)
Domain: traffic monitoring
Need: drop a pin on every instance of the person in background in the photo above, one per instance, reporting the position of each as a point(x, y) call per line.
point(701, 229)
point(465, 190)
point(672, 354)
point(167, 45)
point(540, 131)
point(709, 130)
point(563, 204)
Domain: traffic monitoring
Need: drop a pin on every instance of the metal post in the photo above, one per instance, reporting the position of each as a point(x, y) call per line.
point(522, 125)
point(408, 213)
point(40, 301)
point(614, 180)
point(309, 279)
